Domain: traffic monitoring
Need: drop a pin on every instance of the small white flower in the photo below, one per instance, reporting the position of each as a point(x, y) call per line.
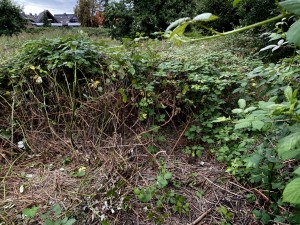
point(102, 217)
point(38, 80)
point(21, 145)
point(105, 206)
point(112, 211)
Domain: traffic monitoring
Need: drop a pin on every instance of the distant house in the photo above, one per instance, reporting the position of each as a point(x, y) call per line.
point(58, 20)
point(67, 19)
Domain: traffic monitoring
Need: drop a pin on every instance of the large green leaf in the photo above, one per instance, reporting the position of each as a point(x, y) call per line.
point(257, 124)
point(242, 103)
point(235, 2)
point(243, 123)
point(289, 146)
point(290, 154)
point(297, 171)
point(293, 34)
point(288, 93)
point(291, 192)
point(178, 31)
point(292, 6)
point(177, 23)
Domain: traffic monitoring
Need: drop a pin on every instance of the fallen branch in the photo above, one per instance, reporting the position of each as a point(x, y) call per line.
point(201, 217)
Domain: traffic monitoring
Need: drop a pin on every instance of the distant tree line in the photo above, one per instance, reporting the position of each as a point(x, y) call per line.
point(132, 17)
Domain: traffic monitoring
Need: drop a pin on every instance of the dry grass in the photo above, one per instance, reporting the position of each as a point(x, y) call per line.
point(107, 140)
point(113, 169)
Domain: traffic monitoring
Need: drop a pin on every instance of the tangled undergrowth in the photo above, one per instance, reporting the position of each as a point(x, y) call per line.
point(123, 134)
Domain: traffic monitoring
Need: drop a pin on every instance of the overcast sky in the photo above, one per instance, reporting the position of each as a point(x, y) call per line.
point(54, 6)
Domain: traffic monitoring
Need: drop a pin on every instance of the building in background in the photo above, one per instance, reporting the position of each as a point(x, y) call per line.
point(45, 18)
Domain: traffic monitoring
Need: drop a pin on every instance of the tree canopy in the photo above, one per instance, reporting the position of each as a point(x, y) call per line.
point(11, 20)
point(132, 17)
point(142, 16)
point(86, 11)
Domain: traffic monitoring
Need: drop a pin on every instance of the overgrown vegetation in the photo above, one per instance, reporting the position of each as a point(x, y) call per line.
point(100, 132)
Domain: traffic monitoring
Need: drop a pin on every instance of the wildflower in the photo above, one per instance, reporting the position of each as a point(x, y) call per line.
point(21, 145)
point(102, 217)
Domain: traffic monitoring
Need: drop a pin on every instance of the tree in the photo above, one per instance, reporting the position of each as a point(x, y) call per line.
point(129, 17)
point(119, 18)
point(86, 10)
point(223, 9)
point(156, 15)
point(11, 20)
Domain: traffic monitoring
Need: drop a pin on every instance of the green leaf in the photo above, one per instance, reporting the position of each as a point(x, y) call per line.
point(48, 222)
point(123, 93)
point(250, 109)
point(242, 103)
point(177, 23)
point(292, 6)
point(235, 2)
point(242, 124)
point(265, 218)
point(297, 171)
point(57, 222)
point(253, 161)
point(293, 34)
point(289, 146)
point(168, 175)
point(205, 17)
point(137, 191)
point(30, 212)
point(56, 209)
point(290, 154)
point(146, 196)
point(288, 93)
point(132, 70)
point(237, 111)
point(257, 124)
point(179, 30)
point(70, 221)
point(291, 192)
point(221, 119)
point(80, 172)
point(161, 181)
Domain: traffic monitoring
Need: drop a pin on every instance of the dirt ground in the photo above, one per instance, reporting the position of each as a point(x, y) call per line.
point(50, 174)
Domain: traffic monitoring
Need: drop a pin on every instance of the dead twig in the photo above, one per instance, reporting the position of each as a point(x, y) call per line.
point(198, 220)
point(266, 198)
point(175, 145)
point(219, 186)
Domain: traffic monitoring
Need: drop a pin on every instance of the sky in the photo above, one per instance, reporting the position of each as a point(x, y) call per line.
point(54, 6)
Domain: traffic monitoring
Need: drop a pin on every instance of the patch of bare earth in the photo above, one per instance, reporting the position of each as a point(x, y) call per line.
point(48, 174)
